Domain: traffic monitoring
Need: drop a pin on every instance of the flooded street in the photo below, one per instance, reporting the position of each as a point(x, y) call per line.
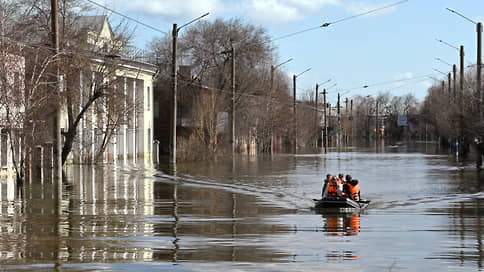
point(251, 214)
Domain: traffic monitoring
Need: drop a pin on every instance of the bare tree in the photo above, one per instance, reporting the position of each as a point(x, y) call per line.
point(207, 49)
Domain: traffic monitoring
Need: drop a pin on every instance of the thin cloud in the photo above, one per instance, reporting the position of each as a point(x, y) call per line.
point(282, 11)
point(167, 10)
point(361, 7)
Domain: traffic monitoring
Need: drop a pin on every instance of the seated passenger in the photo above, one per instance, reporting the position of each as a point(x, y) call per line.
point(334, 189)
point(352, 189)
point(324, 191)
point(341, 181)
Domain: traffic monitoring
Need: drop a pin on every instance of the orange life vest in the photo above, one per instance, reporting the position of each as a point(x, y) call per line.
point(333, 188)
point(355, 191)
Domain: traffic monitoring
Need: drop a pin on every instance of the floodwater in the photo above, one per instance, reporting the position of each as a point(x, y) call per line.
point(250, 214)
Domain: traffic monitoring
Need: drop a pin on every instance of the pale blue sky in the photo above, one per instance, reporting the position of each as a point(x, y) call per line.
point(393, 44)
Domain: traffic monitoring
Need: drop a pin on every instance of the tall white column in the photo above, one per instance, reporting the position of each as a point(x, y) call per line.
point(125, 125)
point(134, 122)
point(93, 121)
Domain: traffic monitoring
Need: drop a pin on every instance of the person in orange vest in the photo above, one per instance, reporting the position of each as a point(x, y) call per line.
point(334, 188)
point(351, 188)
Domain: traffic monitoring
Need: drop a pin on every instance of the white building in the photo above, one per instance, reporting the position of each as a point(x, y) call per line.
point(133, 139)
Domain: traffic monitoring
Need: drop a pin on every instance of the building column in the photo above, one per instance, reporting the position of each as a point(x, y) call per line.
point(93, 121)
point(134, 121)
point(104, 125)
point(81, 103)
point(125, 125)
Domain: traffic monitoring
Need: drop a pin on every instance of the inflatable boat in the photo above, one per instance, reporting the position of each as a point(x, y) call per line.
point(340, 202)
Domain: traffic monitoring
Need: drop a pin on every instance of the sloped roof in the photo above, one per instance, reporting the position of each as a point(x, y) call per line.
point(92, 23)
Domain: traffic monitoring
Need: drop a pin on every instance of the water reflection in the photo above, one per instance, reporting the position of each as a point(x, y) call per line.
point(85, 224)
point(123, 217)
point(342, 224)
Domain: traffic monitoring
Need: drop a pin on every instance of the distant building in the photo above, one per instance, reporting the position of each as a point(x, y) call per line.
point(134, 138)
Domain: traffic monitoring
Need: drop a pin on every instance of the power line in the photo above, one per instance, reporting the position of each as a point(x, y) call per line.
point(338, 21)
point(127, 17)
point(368, 12)
point(385, 82)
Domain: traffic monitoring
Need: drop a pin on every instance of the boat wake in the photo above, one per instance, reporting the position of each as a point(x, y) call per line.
point(275, 196)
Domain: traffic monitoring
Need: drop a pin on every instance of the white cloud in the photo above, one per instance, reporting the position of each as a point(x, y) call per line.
point(261, 11)
point(362, 7)
point(280, 11)
point(169, 9)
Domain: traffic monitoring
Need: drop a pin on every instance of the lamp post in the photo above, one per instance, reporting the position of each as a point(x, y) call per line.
point(461, 56)
point(454, 71)
point(173, 121)
point(316, 110)
point(294, 77)
point(479, 56)
point(326, 138)
point(271, 91)
point(57, 116)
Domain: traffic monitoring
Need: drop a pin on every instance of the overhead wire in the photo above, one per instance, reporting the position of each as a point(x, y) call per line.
point(385, 83)
point(127, 17)
point(338, 21)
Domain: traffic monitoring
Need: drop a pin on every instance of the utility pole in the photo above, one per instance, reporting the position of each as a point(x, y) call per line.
point(232, 130)
point(479, 63)
point(316, 115)
point(57, 118)
point(273, 69)
point(271, 108)
point(351, 116)
point(339, 120)
point(449, 79)
point(294, 110)
point(294, 113)
point(173, 121)
point(174, 75)
point(325, 123)
point(454, 71)
point(376, 123)
point(461, 68)
point(346, 123)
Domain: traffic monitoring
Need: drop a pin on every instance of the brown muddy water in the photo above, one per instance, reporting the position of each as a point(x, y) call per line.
point(250, 214)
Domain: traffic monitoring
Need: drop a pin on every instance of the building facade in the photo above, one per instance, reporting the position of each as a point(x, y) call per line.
point(122, 132)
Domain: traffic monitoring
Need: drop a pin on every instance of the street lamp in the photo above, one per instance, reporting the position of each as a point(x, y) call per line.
point(316, 108)
point(443, 61)
point(326, 116)
point(479, 53)
point(273, 68)
point(176, 29)
point(461, 54)
point(294, 77)
point(454, 71)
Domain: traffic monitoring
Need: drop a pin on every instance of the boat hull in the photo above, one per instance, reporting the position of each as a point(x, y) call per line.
point(340, 203)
